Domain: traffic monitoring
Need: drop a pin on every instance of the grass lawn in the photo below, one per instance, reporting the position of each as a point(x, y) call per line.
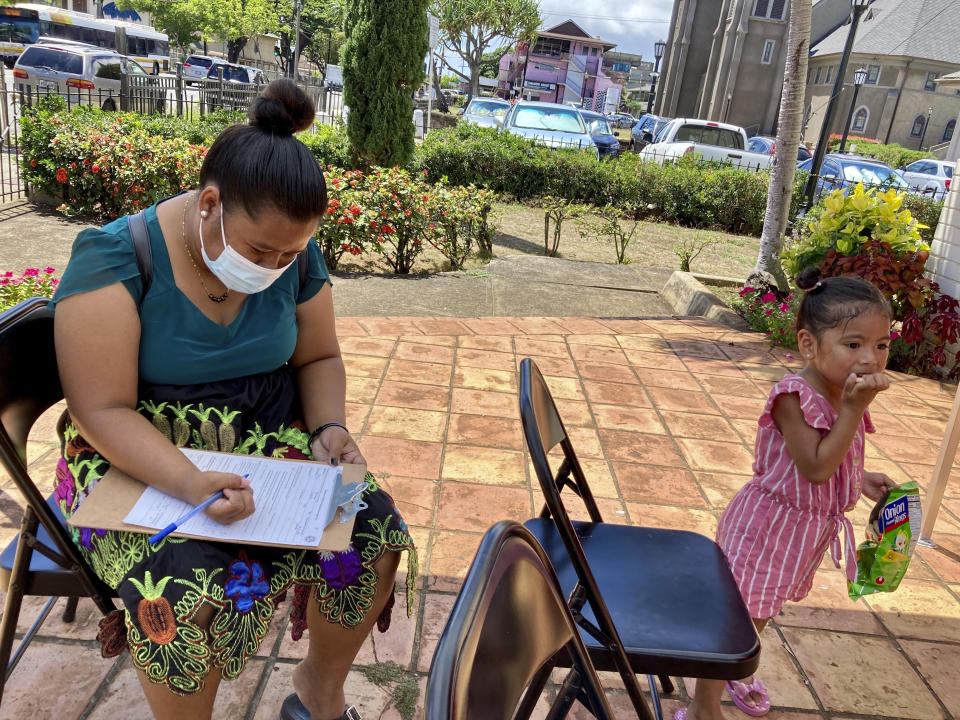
point(521, 233)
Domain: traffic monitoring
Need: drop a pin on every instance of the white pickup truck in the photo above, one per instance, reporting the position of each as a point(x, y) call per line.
point(707, 140)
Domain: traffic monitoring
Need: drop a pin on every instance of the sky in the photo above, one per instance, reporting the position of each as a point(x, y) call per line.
point(633, 25)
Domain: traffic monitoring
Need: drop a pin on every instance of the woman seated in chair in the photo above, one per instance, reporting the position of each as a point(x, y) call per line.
point(232, 348)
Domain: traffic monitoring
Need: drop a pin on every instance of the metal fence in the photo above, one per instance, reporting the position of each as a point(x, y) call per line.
point(169, 94)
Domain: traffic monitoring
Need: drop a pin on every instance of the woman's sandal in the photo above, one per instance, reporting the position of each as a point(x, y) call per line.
point(740, 691)
point(293, 709)
point(680, 714)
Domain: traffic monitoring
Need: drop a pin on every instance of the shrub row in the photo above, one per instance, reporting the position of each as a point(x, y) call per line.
point(168, 150)
point(893, 154)
point(707, 195)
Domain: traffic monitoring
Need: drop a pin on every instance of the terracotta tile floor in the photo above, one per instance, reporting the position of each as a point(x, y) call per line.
point(663, 413)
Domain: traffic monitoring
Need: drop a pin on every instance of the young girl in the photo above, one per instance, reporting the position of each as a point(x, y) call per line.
point(808, 465)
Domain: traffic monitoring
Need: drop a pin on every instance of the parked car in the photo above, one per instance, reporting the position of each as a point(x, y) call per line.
point(197, 67)
point(622, 120)
point(707, 140)
point(86, 75)
point(238, 87)
point(550, 124)
point(768, 145)
point(845, 171)
point(929, 177)
point(599, 127)
point(485, 112)
point(645, 130)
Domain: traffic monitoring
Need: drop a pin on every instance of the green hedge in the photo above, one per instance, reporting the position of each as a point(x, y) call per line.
point(893, 154)
point(703, 195)
point(707, 195)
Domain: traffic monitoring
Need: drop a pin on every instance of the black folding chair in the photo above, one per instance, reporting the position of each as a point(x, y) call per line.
point(649, 601)
point(509, 627)
point(42, 559)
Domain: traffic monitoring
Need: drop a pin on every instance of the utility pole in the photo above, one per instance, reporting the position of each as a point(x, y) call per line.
point(298, 6)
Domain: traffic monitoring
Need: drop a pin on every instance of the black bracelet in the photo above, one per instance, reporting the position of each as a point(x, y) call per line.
point(316, 433)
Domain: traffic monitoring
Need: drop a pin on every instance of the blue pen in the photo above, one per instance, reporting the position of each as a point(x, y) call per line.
point(198, 509)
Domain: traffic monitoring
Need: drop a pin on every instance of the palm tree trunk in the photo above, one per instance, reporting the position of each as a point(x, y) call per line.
point(789, 125)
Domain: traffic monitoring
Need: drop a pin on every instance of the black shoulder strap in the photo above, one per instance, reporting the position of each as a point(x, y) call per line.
point(137, 224)
point(303, 259)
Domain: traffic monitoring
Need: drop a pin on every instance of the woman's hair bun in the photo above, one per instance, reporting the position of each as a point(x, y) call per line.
point(808, 278)
point(282, 109)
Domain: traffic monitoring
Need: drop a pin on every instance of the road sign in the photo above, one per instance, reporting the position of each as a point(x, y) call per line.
point(434, 35)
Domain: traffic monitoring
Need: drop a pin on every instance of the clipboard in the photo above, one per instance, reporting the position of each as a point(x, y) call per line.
point(115, 494)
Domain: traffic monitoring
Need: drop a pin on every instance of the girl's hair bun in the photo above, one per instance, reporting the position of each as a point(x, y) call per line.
point(808, 278)
point(282, 109)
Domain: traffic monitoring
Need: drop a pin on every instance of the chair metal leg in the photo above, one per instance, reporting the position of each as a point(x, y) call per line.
point(18, 576)
point(70, 612)
point(28, 638)
point(666, 684)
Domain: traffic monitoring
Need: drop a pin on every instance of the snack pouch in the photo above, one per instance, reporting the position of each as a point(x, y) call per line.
point(892, 535)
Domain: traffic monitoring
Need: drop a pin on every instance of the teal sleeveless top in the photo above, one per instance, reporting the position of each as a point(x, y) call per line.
point(179, 345)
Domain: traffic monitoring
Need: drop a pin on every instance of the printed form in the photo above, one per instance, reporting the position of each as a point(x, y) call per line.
point(293, 501)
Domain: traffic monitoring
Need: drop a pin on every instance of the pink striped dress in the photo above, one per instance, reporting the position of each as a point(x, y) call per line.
point(776, 530)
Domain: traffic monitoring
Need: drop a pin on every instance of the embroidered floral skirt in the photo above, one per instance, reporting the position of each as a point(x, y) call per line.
point(164, 586)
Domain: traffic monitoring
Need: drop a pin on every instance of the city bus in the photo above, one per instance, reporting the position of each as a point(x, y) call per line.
point(19, 27)
point(27, 23)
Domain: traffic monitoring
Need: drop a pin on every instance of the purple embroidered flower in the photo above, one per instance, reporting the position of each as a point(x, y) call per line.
point(246, 583)
point(66, 485)
point(86, 536)
point(340, 569)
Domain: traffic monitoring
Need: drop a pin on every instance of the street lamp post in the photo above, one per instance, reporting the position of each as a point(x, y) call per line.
point(925, 126)
point(810, 190)
point(859, 77)
point(658, 48)
point(653, 87)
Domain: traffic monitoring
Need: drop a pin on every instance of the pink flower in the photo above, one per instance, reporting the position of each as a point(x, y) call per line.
point(769, 297)
point(49, 270)
point(769, 312)
point(31, 272)
point(788, 356)
point(8, 273)
point(894, 334)
point(784, 307)
point(744, 292)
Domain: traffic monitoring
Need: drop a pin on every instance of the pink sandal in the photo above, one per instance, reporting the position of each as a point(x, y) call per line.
point(680, 714)
point(740, 691)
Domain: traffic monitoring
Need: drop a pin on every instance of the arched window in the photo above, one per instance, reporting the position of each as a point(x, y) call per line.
point(860, 118)
point(948, 131)
point(917, 129)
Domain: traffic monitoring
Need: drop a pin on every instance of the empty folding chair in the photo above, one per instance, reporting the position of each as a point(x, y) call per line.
point(508, 629)
point(648, 600)
point(42, 559)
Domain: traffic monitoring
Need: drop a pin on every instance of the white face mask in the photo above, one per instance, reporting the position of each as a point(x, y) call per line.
point(235, 271)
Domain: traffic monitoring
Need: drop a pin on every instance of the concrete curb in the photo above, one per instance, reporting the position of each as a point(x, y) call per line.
point(688, 296)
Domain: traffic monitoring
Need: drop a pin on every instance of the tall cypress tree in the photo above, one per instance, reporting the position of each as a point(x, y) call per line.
point(382, 67)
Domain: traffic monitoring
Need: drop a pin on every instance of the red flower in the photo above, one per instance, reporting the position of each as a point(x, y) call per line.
point(769, 297)
point(33, 163)
point(61, 175)
point(355, 210)
point(387, 229)
point(94, 169)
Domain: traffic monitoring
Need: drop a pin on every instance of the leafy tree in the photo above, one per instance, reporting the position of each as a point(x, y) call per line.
point(490, 63)
point(382, 62)
point(767, 271)
point(449, 81)
point(321, 33)
point(469, 27)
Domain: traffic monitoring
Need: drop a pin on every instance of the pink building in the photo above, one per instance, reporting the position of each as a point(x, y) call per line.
point(564, 65)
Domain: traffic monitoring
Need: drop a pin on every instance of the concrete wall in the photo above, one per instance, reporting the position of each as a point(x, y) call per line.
point(893, 103)
point(943, 265)
point(758, 85)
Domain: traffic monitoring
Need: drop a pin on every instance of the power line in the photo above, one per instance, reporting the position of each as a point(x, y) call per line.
point(606, 17)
